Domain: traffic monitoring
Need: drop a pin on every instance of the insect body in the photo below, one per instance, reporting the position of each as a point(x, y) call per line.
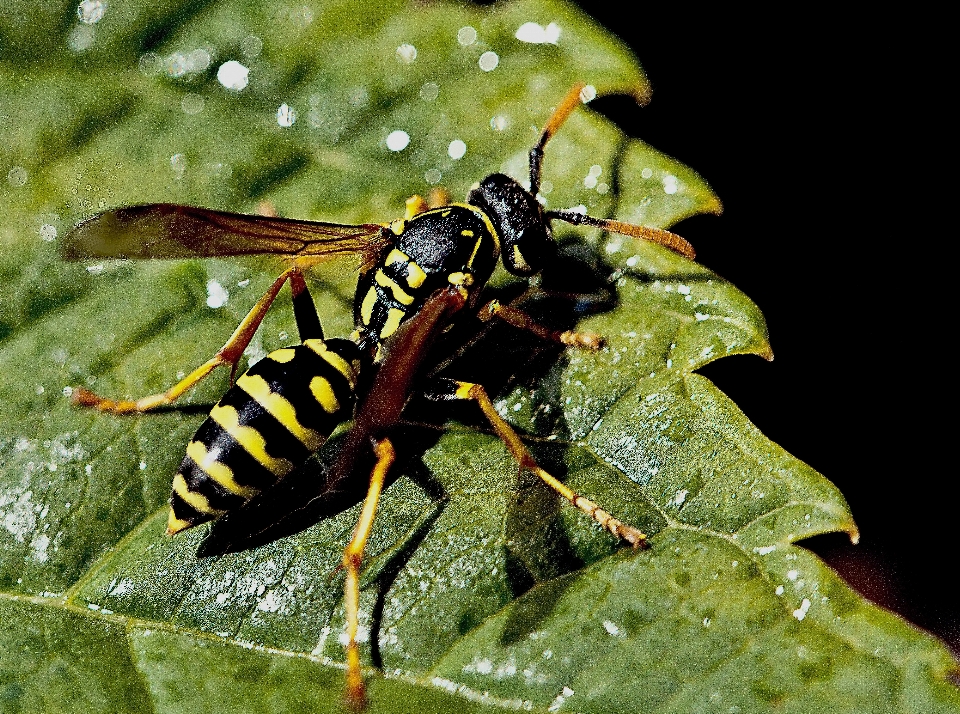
point(276, 415)
point(419, 275)
point(450, 245)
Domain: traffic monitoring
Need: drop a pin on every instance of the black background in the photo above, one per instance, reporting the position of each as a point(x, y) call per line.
point(813, 130)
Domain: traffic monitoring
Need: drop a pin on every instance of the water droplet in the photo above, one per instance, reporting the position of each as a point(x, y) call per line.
point(457, 149)
point(398, 140)
point(217, 295)
point(670, 184)
point(537, 34)
point(588, 94)
point(192, 104)
point(198, 60)
point(406, 53)
point(646, 173)
point(432, 176)
point(81, 38)
point(429, 91)
point(466, 36)
point(149, 63)
point(358, 97)
point(17, 176)
point(178, 162)
point(251, 46)
point(48, 232)
point(286, 115)
point(498, 123)
point(233, 75)
point(90, 12)
point(611, 627)
point(489, 61)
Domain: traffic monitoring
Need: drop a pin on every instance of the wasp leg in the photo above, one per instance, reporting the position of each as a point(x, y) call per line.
point(523, 321)
point(448, 390)
point(560, 114)
point(229, 354)
point(352, 556)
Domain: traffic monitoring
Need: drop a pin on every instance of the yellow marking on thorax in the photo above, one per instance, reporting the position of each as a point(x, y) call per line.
point(486, 222)
point(476, 248)
point(444, 211)
point(334, 360)
point(394, 316)
point(323, 392)
point(398, 226)
point(519, 260)
point(283, 356)
point(221, 473)
point(249, 438)
point(415, 275)
point(280, 409)
point(196, 500)
point(468, 234)
point(396, 256)
point(398, 293)
point(366, 307)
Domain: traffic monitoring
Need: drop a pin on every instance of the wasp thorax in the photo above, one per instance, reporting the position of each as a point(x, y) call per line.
point(526, 241)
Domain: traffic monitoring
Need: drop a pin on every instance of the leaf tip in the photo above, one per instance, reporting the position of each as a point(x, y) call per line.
point(854, 533)
point(640, 91)
point(642, 94)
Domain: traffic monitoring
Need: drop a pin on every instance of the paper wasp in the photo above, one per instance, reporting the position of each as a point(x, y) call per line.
point(420, 274)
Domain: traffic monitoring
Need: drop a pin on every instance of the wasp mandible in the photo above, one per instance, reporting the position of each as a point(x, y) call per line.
point(419, 275)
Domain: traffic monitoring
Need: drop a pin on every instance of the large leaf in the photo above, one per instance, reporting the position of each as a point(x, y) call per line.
point(481, 591)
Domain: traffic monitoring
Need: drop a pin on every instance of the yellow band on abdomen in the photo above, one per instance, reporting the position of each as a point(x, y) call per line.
point(250, 439)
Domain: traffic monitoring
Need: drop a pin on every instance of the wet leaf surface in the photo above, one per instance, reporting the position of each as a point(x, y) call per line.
point(481, 590)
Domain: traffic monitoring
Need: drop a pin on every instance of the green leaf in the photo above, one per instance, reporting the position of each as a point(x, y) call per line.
point(481, 590)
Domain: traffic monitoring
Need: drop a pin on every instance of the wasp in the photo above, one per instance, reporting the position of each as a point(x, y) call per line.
point(419, 275)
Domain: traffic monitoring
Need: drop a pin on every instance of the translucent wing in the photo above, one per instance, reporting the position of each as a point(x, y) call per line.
point(164, 230)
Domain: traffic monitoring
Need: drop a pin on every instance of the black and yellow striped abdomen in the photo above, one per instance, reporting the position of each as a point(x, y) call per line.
point(276, 415)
